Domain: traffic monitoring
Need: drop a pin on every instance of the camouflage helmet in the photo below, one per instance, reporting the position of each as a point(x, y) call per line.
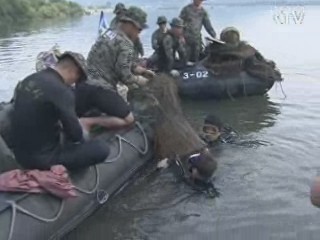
point(79, 60)
point(119, 7)
point(226, 33)
point(48, 58)
point(136, 16)
point(161, 20)
point(176, 22)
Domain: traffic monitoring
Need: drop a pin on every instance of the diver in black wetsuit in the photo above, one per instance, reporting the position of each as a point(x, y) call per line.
point(213, 132)
point(44, 107)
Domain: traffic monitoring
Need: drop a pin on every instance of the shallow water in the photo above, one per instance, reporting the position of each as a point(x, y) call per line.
point(264, 185)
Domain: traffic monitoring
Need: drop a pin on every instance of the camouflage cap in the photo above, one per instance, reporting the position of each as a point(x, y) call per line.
point(119, 7)
point(228, 29)
point(79, 60)
point(176, 22)
point(162, 19)
point(136, 16)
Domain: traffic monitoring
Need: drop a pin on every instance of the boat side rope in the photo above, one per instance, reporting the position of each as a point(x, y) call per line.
point(122, 139)
point(95, 188)
point(15, 207)
point(102, 195)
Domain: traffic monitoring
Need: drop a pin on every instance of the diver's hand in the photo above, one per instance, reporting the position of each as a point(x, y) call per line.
point(174, 73)
point(164, 163)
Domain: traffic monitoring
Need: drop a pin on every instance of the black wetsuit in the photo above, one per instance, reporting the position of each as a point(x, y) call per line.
point(44, 107)
point(107, 101)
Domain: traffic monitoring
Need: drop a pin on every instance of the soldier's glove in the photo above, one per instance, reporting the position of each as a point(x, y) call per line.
point(174, 73)
point(141, 81)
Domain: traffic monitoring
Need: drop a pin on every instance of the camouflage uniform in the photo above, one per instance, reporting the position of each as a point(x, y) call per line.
point(156, 38)
point(169, 46)
point(138, 46)
point(138, 49)
point(119, 10)
point(158, 35)
point(194, 20)
point(110, 59)
point(114, 22)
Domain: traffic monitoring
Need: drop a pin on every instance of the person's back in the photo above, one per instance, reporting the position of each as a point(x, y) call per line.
point(35, 116)
point(43, 109)
point(40, 102)
point(104, 55)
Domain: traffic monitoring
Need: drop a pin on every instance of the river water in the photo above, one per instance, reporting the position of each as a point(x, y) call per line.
point(264, 186)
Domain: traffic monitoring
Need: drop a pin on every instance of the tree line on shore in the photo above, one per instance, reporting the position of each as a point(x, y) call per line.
point(15, 11)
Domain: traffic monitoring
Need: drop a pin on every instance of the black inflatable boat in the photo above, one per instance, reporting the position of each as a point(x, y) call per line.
point(42, 216)
point(197, 82)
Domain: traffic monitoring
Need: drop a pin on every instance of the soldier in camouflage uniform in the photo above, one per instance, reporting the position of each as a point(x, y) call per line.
point(110, 61)
point(159, 33)
point(194, 17)
point(170, 45)
point(156, 38)
point(120, 11)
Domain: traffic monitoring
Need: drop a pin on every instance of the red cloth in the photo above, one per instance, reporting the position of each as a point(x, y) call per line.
point(56, 181)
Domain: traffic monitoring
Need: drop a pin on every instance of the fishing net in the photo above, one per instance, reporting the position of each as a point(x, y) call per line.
point(227, 59)
point(173, 133)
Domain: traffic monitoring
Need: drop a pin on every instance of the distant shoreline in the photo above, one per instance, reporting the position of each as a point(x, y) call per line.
point(252, 4)
point(21, 11)
point(268, 3)
point(96, 11)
